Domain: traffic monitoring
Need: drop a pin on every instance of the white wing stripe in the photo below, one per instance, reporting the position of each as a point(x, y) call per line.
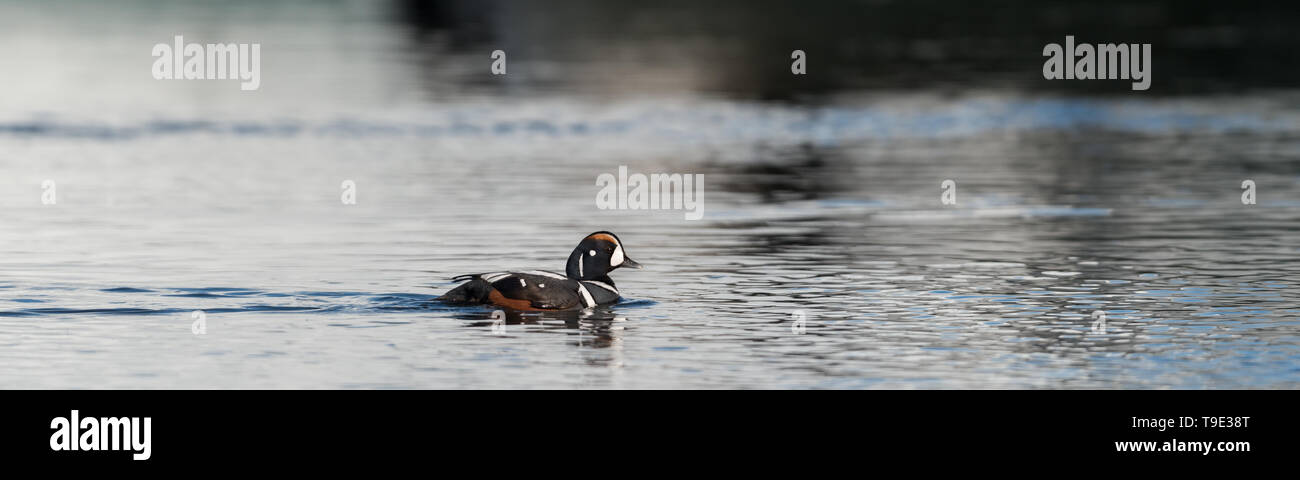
point(493, 277)
point(543, 273)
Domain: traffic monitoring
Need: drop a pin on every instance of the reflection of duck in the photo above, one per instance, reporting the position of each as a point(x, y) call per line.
point(585, 284)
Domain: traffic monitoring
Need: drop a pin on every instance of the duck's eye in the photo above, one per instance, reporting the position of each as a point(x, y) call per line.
point(591, 252)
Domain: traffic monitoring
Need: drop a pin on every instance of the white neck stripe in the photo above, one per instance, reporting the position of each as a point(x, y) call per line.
point(603, 285)
point(587, 301)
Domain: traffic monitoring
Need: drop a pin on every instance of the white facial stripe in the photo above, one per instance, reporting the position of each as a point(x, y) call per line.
point(617, 258)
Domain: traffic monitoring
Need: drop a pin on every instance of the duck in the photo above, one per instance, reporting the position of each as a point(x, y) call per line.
point(584, 284)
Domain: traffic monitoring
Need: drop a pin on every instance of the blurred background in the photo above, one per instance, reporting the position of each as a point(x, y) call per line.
point(821, 197)
point(364, 52)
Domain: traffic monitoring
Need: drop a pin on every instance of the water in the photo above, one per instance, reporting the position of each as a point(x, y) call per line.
point(192, 196)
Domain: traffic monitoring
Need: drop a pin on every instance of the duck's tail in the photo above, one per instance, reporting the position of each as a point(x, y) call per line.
point(476, 290)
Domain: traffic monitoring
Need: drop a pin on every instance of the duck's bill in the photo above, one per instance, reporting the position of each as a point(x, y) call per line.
point(629, 263)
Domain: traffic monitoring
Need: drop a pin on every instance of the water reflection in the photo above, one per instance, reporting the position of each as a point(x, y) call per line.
point(599, 327)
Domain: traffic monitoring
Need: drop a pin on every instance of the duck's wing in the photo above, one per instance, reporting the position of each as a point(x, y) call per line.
point(527, 290)
point(538, 291)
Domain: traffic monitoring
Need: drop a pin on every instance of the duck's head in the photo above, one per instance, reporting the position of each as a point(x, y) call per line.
point(597, 255)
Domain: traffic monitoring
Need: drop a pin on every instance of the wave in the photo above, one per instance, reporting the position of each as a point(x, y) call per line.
point(906, 117)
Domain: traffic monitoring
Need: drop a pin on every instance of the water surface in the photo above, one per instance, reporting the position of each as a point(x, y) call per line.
point(181, 197)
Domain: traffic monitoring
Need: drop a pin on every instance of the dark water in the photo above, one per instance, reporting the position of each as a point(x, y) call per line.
point(175, 197)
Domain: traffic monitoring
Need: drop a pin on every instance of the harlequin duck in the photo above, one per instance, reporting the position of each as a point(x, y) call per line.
point(586, 281)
